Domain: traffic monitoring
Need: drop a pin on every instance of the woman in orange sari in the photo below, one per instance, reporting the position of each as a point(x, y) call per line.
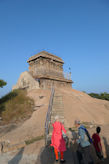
point(57, 140)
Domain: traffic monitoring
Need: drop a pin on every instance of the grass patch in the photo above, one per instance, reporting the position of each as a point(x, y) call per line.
point(34, 139)
point(15, 106)
point(9, 96)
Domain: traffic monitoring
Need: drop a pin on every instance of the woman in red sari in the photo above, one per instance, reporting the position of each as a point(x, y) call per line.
point(57, 140)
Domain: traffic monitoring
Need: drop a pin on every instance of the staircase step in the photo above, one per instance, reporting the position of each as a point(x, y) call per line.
point(57, 108)
point(57, 101)
point(57, 111)
point(53, 119)
point(58, 95)
point(55, 98)
point(57, 114)
point(60, 119)
point(58, 105)
point(60, 116)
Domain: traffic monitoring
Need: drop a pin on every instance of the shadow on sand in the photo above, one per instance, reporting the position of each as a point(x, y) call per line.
point(16, 159)
point(106, 161)
point(47, 156)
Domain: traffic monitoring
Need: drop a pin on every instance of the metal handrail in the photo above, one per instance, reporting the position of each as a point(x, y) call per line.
point(48, 116)
point(67, 75)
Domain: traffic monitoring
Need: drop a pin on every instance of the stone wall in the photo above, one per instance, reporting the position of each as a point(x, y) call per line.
point(48, 70)
point(43, 66)
point(48, 83)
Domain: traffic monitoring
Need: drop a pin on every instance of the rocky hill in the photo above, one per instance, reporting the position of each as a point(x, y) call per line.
point(76, 105)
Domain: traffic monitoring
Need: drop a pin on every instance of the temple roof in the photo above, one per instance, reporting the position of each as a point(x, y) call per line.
point(45, 54)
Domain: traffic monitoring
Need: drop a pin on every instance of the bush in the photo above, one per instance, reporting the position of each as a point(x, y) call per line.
point(15, 106)
point(103, 96)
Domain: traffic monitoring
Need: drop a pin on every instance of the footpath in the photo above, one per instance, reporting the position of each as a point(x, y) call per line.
point(32, 155)
point(36, 153)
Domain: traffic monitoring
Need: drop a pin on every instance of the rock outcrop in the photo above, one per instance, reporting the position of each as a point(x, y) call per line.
point(26, 81)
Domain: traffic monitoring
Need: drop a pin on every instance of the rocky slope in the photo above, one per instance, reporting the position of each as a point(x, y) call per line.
point(77, 105)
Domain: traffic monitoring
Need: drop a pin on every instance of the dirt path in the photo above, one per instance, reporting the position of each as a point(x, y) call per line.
point(26, 155)
point(38, 154)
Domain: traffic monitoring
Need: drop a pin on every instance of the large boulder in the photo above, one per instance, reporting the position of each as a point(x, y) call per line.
point(26, 81)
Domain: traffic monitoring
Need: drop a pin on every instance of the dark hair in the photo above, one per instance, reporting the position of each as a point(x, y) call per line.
point(98, 129)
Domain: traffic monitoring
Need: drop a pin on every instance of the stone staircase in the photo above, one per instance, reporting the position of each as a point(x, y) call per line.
point(57, 110)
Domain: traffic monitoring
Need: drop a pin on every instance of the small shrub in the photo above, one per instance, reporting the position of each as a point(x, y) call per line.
point(32, 140)
point(16, 106)
point(9, 96)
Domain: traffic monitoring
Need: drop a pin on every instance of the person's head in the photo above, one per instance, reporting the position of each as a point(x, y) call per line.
point(56, 118)
point(77, 123)
point(98, 129)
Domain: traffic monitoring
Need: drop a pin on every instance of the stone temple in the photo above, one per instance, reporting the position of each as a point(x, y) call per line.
point(45, 71)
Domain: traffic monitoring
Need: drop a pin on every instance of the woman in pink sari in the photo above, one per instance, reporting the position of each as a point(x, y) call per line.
point(57, 140)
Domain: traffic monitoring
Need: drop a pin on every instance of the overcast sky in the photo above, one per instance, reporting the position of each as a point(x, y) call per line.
point(75, 30)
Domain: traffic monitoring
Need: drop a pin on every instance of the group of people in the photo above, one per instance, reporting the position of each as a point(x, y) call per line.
point(83, 140)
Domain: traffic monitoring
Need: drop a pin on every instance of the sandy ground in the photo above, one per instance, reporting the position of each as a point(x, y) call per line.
point(37, 153)
point(26, 155)
point(78, 105)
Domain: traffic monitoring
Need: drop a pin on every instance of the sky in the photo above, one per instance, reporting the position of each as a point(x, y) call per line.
point(75, 30)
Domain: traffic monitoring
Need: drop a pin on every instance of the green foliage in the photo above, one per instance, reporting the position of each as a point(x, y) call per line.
point(15, 106)
point(9, 96)
point(103, 96)
point(34, 139)
point(2, 83)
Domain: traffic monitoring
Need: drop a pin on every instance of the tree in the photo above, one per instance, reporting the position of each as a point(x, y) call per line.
point(103, 96)
point(2, 83)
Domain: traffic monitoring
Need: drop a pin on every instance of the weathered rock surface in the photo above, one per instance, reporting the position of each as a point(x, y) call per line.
point(76, 105)
point(79, 105)
point(26, 81)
